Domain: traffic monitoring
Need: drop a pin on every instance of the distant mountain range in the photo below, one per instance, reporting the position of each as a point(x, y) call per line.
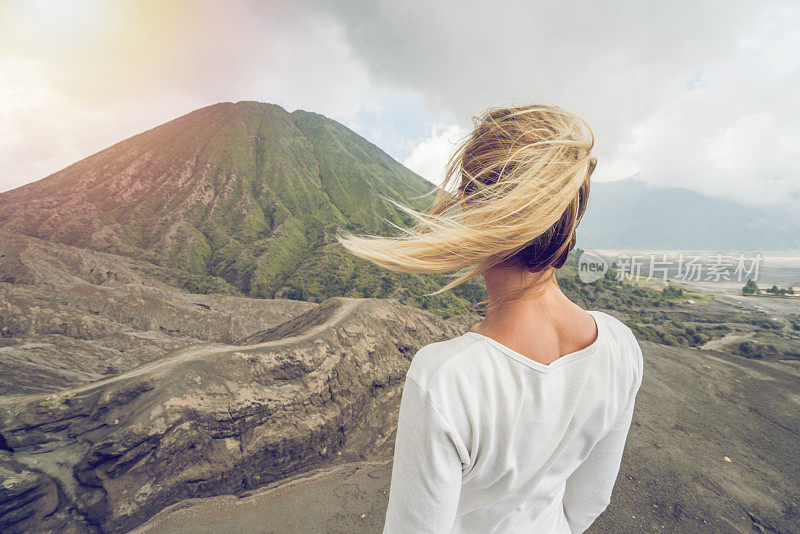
point(240, 198)
point(629, 214)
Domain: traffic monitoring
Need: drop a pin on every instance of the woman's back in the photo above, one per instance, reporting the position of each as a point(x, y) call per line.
point(493, 441)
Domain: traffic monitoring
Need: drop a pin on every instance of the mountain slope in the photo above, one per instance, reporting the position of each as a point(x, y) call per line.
point(628, 214)
point(241, 197)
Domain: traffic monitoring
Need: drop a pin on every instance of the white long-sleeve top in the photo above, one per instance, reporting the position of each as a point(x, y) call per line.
point(489, 440)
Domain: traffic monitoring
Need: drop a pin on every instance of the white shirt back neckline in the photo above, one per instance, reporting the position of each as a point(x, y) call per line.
point(561, 360)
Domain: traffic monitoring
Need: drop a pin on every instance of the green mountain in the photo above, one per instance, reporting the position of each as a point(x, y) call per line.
point(240, 198)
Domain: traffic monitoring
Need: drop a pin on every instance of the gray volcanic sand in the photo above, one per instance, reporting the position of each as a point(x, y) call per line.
point(713, 448)
point(346, 498)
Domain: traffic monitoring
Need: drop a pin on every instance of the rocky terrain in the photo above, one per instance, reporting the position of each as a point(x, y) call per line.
point(207, 415)
point(70, 316)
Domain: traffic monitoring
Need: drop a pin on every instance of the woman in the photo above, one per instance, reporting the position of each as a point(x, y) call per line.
point(519, 424)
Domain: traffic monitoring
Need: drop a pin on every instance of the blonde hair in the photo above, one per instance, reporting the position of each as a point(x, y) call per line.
point(516, 187)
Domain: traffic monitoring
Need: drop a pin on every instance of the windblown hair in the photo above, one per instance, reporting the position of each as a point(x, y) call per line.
point(514, 191)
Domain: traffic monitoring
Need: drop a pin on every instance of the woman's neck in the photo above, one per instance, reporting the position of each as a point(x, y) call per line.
point(516, 296)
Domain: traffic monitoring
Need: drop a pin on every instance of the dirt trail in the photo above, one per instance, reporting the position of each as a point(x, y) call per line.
point(717, 344)
point(200, 350)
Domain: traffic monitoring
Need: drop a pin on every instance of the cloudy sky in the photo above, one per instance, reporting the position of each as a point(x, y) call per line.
point(702, 95)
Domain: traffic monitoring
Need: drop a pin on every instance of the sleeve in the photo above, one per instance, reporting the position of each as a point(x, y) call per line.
point(427, 468)
point(588, 489)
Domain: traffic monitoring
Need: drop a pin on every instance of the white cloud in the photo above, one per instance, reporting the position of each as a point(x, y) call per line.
point(693, 94)
point(42, 131)
point(734, 130)
point(429, 157)
point(65, 95)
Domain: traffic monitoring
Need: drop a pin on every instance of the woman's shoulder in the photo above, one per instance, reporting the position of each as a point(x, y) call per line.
point(433, 358)
point(622, 340)
point(617, 330)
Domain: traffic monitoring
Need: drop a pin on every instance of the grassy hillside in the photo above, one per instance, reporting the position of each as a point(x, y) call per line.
point(237, 198)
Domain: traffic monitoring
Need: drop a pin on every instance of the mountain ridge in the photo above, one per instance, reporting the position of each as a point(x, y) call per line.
point(240, 198)
point(630, 214)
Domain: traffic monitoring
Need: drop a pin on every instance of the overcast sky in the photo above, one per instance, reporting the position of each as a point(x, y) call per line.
point(696, 94)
